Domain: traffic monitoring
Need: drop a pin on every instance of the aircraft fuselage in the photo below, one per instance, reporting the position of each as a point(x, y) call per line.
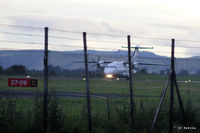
point(116, 69)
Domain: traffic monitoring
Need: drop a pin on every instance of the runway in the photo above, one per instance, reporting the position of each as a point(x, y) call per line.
point(31, 94)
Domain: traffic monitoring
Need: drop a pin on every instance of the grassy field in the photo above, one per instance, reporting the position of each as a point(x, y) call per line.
point(148, 85)
point(108, 114)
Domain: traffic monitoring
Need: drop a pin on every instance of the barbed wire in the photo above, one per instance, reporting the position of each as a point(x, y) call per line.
point(158, 58)
point(100, 48)
point(187, 53)
point(82, 47)
point(20, 49)
point(152, 38)
point(21, 34)
point(100, 34)
point(111, 35)
point(65, 38)
point(167, 45)
point(20, 26)
point(105, 41)
point(34, 43)
point(4, 49)
point(59, 30)
point(189, 41)
point(105, 55)
point(186, 46)
point(51, 44)
point(175, 52)
point(41, 44)
point(68, 38)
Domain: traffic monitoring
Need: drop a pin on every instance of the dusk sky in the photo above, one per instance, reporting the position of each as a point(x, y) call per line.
point(179, 19)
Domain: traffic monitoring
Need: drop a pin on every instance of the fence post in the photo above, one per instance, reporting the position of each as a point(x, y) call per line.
point(45, 102)
point(172, 77)
point(87, 83)
point(160, 103)
point(180, 102)
point(130, 81)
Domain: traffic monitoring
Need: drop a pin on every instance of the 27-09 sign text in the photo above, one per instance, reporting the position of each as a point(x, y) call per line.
point(22, 82)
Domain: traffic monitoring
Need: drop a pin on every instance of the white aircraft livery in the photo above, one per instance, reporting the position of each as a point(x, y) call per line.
point(117, 69)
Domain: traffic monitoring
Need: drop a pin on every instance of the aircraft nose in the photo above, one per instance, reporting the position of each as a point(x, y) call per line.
point(108, 71)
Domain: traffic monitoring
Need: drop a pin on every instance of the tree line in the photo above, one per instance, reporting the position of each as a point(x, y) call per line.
point(52, 71)
point(56, 71)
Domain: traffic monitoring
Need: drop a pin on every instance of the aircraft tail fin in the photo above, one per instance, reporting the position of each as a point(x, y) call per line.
point(135, 53)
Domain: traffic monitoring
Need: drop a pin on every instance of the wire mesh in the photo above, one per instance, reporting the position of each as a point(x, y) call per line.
point(187, 72)
point(67, 76)
point(21, 78)
point(110, 103)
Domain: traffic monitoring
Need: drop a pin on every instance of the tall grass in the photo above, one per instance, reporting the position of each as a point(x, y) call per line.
point(115, 118)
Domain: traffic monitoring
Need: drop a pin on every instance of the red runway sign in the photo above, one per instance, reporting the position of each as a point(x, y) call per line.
point(22, 82)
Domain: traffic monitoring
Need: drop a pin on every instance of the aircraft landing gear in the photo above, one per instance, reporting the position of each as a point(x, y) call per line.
point(127, 76)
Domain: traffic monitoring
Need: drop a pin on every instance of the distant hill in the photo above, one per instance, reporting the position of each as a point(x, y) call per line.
point(33, 59)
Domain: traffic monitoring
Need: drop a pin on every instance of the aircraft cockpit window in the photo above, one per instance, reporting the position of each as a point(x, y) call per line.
point(110, 66)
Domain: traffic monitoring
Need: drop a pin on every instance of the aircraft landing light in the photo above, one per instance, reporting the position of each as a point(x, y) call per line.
point(109, 76)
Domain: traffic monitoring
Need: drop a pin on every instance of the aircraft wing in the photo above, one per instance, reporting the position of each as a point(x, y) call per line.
point(92, 62)
point(156, 64)
point(107, 61)
point(84, 62)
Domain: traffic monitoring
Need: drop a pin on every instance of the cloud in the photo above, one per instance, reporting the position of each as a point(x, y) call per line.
point(180, 26)
point(60, 22)
point(123, 27)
